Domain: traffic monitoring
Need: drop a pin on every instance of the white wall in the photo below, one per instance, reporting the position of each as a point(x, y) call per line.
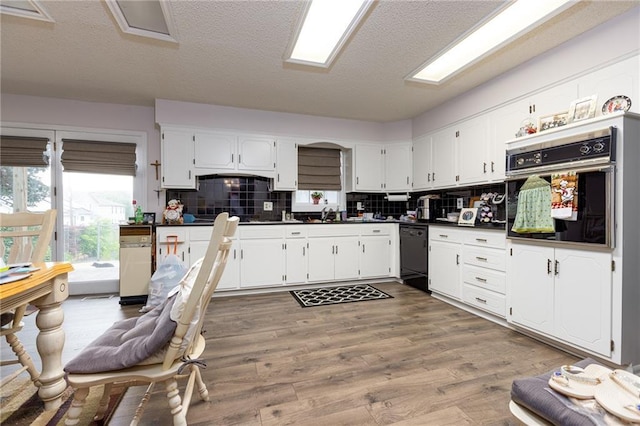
point(614, 40)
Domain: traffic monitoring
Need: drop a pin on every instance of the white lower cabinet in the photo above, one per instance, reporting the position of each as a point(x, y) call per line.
point(267, 256)
point(564, 293)
point(469, 266)
point(261, 256)
point(483, 271)
point(375, 256)
point(230, 279)
point(333, 259)
point(296, 255)
point(444, 261)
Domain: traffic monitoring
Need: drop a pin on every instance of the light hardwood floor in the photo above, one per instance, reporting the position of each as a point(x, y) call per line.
point(410, 360)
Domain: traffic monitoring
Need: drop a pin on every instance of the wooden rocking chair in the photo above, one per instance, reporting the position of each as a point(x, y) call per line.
point(175, 360)
point(21, 229)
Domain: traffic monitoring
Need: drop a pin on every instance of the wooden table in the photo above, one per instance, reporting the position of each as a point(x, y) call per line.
point(46, 289)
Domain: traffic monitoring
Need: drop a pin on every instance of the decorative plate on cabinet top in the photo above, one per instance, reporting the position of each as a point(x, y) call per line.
point(617, 103)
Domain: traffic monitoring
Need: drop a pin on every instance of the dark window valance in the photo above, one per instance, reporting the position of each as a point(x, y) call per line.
point(319, 168)
point(23, 151)
point(113, 158)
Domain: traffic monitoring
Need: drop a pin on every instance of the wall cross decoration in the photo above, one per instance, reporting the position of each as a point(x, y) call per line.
point(156, 164)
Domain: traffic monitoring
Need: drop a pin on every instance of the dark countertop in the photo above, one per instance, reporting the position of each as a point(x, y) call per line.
point(492, 227)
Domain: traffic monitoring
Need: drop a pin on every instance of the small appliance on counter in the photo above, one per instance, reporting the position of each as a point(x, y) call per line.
point(428, 208)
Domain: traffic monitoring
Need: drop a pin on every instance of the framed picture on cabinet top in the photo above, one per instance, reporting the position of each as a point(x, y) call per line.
point(149, 218)
point(552, 121)
point(584, 108)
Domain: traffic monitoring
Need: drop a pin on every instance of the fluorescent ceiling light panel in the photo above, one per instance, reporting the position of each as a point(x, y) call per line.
point(148, 18)
point(325, 27)
point(513, 21)
point(31, 9)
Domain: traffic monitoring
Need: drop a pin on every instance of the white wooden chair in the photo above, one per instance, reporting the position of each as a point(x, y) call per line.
point(17, 234)
point(171, 367)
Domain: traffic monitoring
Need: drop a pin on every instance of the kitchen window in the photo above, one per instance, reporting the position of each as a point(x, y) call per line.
point(301, 201)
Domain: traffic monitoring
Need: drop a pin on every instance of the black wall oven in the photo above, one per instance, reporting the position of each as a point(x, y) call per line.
point(590, 159)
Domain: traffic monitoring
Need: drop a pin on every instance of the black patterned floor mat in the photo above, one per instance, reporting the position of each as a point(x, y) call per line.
point(342, 294)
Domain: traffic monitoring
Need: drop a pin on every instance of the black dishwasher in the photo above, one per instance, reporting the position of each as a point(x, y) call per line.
point(414, 252)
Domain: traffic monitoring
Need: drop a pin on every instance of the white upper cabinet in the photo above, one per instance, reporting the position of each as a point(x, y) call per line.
point(422, 163)
point(187, 153)
point(369, 168)
point(286, 178)
point(474, 165)
point(397, 167)
point(215, 151)
point(256, 153)
point(443, 158)
point(177, 159)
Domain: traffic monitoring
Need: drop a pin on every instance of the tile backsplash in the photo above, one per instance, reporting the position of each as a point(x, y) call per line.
point(245, 197)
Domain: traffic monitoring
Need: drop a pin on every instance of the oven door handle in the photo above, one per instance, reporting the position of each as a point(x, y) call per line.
point(549, 170)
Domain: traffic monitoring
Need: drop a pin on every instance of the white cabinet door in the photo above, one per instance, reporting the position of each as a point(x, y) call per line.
point(554, 100)
point(422, 163)
point(375, 256)
point(472, 147)
point(261, 262)
point(443, 161)
point(583, 299)
point(215, 151)
point(397, 167)
point(177, 159)
point(296, 261)
point(286, 166)
point(172, 240)
point(444, 268)
point(368, 167)
point(346, 264)
point(256, 153)
point(530, 280)
point(321, 259)
point(230, 279)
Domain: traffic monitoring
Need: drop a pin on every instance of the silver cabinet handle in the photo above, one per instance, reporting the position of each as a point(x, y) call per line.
point(482, 280)
point(443, 236)
point(556, 269)
point(548, 266)
point(481, 240)
point(483, 259)
point(481, 300)
point(457, 259)
point(295, 233)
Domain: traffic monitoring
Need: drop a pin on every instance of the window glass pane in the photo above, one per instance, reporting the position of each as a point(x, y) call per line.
point(25, 189)
point(94, 207)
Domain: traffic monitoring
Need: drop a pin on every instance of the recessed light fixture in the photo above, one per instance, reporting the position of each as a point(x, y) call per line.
point(323, 29)
point(31, 9)
point(516, 19)
point(144, 18)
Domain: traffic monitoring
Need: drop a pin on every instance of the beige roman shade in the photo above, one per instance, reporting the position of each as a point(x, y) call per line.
point(21, 151)
point(319, 168)
point(113, 158)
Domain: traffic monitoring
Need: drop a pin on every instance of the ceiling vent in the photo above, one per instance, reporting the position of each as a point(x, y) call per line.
point(144, 18)
point(31, 9)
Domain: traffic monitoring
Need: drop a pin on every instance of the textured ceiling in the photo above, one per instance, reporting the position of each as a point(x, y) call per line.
point(231, 53)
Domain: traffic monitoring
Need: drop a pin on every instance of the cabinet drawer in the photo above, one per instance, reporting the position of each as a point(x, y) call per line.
point(484, 299)
point(484, 257)
point(485, 238)
point(440, 233)
point(485, 278)
point(375, 230)
point(200, 233)
point(325, 230)
point(257, 231)
point(295, 232)
point(163, 232)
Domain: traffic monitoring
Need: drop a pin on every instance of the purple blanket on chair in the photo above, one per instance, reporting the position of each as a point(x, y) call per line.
point(127, 343)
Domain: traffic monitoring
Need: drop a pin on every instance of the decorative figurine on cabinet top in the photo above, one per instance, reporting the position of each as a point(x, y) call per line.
point(173, 213)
